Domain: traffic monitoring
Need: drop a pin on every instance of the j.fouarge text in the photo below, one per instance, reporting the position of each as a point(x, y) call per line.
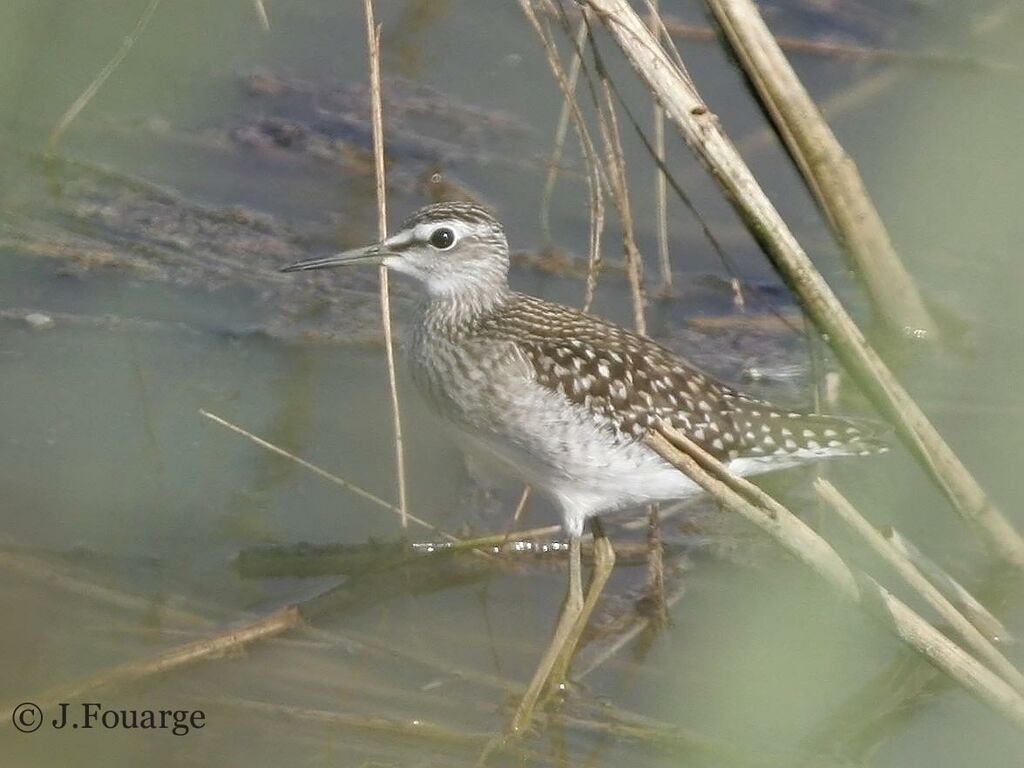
point(90, 714)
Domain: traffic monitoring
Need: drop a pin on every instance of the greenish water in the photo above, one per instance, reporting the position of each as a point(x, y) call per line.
point(109, 474)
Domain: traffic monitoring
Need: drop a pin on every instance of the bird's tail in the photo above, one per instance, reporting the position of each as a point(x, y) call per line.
point(766, 430)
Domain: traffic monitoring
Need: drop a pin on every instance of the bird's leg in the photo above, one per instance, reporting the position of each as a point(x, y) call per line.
point(604, 562)
point(574, 604)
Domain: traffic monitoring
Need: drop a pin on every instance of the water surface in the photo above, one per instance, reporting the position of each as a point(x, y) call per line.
point(110, 476)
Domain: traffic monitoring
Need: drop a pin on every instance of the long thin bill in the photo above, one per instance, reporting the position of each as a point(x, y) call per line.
point(369, 255)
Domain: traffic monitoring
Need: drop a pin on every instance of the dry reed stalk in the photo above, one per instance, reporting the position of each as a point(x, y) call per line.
point(236, 638)
point(362, 492)
point(224, 643)
point(561, 132)
point(353, 594)
point(941, 652)
point(741, 496)
point(261, 14)
point(894, 697)
point(524, 499)
point(660, 182)
point(829, 172)
point(965, 602)
point(595, 179)
point(674, 89)
point(376, 115)
point(91, 90)
point(661, 204)
point(755, 505)
point(619, 185)
point(973, 640)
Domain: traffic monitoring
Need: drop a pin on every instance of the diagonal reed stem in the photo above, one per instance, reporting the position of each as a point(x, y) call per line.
point(330, 477)
point(972, 639)
point(672, 87)
point(797, 538)
point(829, 172)
point(965, 602)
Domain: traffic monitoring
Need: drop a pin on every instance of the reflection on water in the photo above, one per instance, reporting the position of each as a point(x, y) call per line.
point(139, 287)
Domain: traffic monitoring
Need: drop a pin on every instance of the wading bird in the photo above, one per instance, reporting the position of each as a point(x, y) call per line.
point(563, 400)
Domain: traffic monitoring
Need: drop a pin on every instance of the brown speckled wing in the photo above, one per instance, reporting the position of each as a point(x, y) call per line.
point(627, 379)
point(635, 384)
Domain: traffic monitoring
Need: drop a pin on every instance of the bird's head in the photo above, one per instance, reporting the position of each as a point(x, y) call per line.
point(453, 249)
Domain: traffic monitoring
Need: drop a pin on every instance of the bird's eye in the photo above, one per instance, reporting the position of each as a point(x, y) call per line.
point(442, 238)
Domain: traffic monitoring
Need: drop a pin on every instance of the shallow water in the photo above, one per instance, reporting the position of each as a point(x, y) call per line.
point(110, 476)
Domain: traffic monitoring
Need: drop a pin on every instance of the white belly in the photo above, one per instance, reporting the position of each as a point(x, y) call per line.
point(585, 466)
